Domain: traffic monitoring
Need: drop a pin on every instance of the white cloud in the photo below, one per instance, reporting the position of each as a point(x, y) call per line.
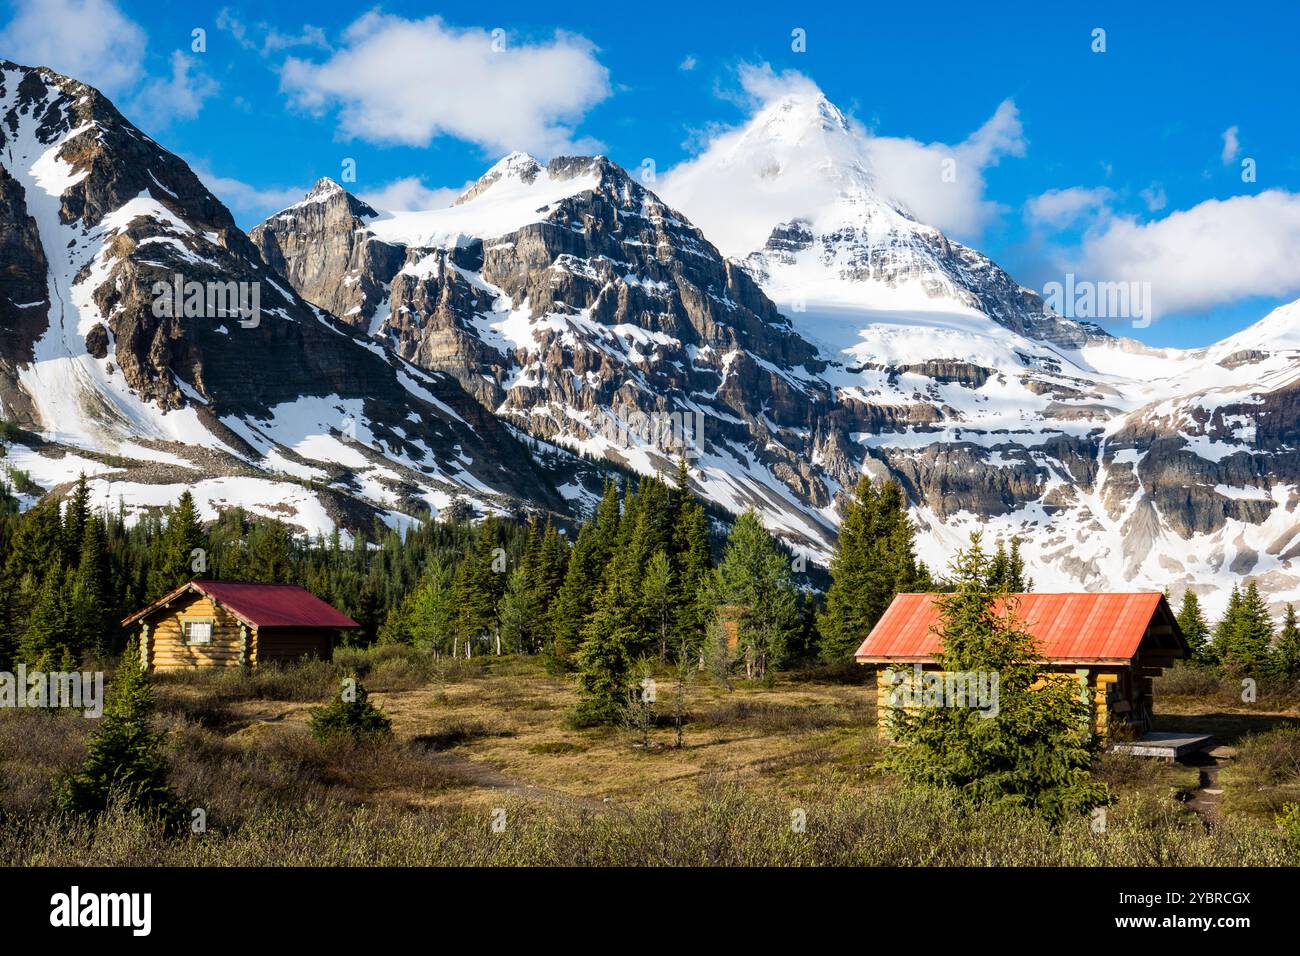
point(308, 36)
point(773, 168)
point(1231, 145)
point(1214, 253)
point(411, 193)
point(1154, 197)
point(90, 40)
point(688, 64)
point(250, 204)
point(179, 97)
point(909, 171)
point(272, 39)
point(411, 81)
point(1059, 208)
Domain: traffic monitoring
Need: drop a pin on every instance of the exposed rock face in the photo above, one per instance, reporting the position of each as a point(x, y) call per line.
point(24, 305)
point(400, 358)
point(602, 305)
point(100, 223)
point(347, 271)
point(600, 301)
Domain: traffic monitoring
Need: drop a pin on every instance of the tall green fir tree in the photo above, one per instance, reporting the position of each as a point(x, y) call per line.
point(1195, 628)
point(1031, 743)
point(1287, 651)
point(183, 536)
point(754, 577)
point(1244, 637)
point(603, 662)
point(874, 560)
point(1007, 569)
point(573, 602)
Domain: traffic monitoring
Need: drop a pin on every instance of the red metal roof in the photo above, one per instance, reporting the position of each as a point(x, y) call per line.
point(1069, 627)
point(263, 605)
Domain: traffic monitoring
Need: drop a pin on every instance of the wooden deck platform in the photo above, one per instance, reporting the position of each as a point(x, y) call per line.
point(1164, 743)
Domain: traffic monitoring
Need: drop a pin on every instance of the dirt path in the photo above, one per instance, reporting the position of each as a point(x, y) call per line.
point(489, 778)
point(1207, 796)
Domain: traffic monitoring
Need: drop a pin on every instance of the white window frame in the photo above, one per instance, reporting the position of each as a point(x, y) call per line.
point(187, 623)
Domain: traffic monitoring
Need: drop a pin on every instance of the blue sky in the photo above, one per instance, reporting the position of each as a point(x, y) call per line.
point(1128, 156)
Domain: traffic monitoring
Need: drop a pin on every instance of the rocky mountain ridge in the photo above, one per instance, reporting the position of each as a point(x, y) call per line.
point(563, 308)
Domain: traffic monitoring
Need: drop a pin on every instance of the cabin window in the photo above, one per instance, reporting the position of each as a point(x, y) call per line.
point(198, 631)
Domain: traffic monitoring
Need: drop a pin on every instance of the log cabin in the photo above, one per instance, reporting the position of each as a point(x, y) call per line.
point(235, 624)
point(1115, 645)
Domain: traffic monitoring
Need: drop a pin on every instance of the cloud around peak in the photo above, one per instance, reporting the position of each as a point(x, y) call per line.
point(940, 184)
point(407, 82)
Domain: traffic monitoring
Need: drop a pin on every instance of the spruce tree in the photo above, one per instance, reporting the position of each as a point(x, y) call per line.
point(1007, 569)
point(1247, 633)
point(125, 760)
point(269, 556)
point(76, 513)
point(50, 636)
point(350, 715)
point(874, 560)
point(852, 601)
point(572, 606)
point(1224, 627)
point(658, 599)
point(1193, 625)
point(91, 623)
point(1033, 745)
point(754, 576)
point(429, 613)
point(480, 582)
point(184, 533)
point(607, 523)
point(693, 573)
point(602, 660)
point(1287, 653)
point(517, 614)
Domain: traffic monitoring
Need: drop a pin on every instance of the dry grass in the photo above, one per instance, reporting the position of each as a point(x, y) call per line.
point(469, 736)
point(1265, 773)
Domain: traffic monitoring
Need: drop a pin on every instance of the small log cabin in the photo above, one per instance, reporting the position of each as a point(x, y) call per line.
point(1115, 645)
point(234, 624)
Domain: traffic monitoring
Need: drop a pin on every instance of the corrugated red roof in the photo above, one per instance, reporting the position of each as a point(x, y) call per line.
point(263, 605)
point(1069, 627)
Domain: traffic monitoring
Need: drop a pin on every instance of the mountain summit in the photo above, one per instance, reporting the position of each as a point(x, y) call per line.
point(483, 349)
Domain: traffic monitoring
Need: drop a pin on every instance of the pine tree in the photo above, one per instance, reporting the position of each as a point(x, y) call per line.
point(50, 637)
point(874, 560)
point(269, 556)
point(37, 546)
point(90, 621)
point(693, 573)
point(1287, 653)
point(125, 761)
point(658, 599)
point(76, 513)
point(479, 583)
point(1246, 634)
point(602, 660)
point(428, 615)
point(1194, 627)
point(1222, 630)
point(1034, 747)
point(573, 603)
point(754, 577)
point(517, 613)
point(184, 533)
point(350, 714)
point(607, 523)
point(1007, 570)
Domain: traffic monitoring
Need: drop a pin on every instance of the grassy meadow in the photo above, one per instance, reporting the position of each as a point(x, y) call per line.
point(485, 767)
